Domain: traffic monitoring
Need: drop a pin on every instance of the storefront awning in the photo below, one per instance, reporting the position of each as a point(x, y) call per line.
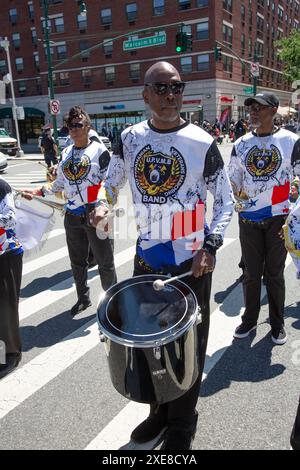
point(6, 113)
point(286, 110)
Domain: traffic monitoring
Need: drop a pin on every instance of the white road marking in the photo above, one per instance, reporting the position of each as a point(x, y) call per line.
point(43, 299)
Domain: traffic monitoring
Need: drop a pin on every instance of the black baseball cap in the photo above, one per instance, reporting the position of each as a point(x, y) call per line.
point(265, 98)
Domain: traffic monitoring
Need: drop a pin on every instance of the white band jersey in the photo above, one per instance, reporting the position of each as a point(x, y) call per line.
point(169, 173)
point(261, 168)
point(79, 175)
point(8, 239)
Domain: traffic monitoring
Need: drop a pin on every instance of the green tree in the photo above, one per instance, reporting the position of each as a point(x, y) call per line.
point(289, 52)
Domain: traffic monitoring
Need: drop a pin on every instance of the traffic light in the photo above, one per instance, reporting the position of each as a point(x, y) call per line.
point(218, 53)
point(184, 42)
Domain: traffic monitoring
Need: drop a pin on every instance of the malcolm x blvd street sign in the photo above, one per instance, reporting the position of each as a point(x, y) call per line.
point(145, 42)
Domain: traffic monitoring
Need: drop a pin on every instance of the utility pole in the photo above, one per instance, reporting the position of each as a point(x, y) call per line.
point(49, 64)
point(5, 44)
point(255, 58)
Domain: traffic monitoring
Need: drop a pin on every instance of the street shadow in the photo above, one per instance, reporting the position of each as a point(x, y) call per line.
point(219, 297)
point(293, 311)
point(52, 330)
point(51, 283)
point(242, 362)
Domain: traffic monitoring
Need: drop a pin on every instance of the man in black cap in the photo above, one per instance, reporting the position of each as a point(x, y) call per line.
point(261, 167)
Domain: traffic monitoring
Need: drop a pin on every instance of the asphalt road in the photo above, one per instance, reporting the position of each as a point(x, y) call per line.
point(61, 396)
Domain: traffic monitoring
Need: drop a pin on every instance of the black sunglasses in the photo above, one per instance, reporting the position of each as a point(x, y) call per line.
point(76, 125)
point(161, 88)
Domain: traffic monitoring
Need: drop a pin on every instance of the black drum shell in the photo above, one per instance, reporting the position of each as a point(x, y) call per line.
point(151, 371)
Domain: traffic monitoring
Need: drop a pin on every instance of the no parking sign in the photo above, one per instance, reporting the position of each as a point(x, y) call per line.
point(54, 107)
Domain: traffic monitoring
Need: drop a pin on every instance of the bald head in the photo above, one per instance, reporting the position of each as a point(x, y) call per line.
point(160, 68)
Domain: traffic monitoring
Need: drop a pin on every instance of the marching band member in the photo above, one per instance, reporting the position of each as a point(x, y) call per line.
point(11, 253)
point(170, 164)
point(79, 175)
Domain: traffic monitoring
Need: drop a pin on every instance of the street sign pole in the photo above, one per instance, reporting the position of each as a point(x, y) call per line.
point(49, 64)
point(255, 76)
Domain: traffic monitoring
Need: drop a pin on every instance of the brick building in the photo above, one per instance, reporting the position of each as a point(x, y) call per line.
point(108, 80)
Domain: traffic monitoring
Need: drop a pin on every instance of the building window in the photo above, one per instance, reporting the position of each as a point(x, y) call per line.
point(83, 45)
point(82, 22)
point(110, 73)
point(16, 40)
point(3, 66)
point(36, 60)
point(243, 12)
point(48, 24)
point(86, 76)
point(33, 36)
point(134, 71)
point(59, 24)
point(38, 85)
point(186, 64)
point(64, 78)
point(22, 88)
point(13, 16)
point(131, 11)
point(202, 3)
point(184, 4)
point(51, 52)
point(243, 43)
point(108, 47)
point(106, 17)
point(61, 51)
point(158, 7)
point(227, 64)
point(202, 30)
point(19, 64)
point(30, 10)
point(203, 62)
point(227, 34)
point(227, 5)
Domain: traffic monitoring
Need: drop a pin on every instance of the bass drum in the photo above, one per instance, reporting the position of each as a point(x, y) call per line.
point(150, 338)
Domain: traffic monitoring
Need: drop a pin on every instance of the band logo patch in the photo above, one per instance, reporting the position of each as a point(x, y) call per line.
point(263, 163)
point(76, 171)
point(158, 176)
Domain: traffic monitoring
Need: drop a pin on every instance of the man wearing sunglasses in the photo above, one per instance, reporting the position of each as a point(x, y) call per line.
point(170, 164)
point(79, 175)
point(261, 168)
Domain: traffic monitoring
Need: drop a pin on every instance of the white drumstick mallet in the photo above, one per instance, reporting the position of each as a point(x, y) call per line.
point(159, 284)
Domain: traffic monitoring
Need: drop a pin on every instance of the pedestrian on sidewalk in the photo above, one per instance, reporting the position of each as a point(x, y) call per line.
point(11, 254)
point(261, 167)
point(49, 148)
point(170, 162)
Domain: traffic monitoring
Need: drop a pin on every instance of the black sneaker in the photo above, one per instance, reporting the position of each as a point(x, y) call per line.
point(279, 336)
point(80, 307)
point(243, 330)
point(152, 428)
point(177, 439)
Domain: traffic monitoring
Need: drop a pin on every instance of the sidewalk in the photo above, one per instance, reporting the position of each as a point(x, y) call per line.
point(31, 152)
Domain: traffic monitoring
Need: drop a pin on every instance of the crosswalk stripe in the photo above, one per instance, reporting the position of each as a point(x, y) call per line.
point(44, 260)
point(117, 433)
point(27, 380)
point(39, 301)
point(56, 233)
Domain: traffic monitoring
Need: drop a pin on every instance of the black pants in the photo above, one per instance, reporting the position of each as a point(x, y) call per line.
point(295, 435)
point(263, 253)
point(79, 237)
point(50, 159)
point(10, 283)
point(182, 410)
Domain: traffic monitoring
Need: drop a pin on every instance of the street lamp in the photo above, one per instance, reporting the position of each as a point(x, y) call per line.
point(83, 11)
point(5, 44)
point(49, 63)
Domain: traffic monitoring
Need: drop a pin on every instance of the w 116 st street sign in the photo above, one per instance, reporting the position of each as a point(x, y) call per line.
point(145, 42)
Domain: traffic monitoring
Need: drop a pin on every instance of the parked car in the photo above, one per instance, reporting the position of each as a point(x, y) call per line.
point(8, 145)
point(3, 162)
point(104, 140)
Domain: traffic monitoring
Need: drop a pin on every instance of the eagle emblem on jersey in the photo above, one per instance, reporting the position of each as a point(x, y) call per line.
point(262, 163)
point(157, 175)
point(76, 171)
